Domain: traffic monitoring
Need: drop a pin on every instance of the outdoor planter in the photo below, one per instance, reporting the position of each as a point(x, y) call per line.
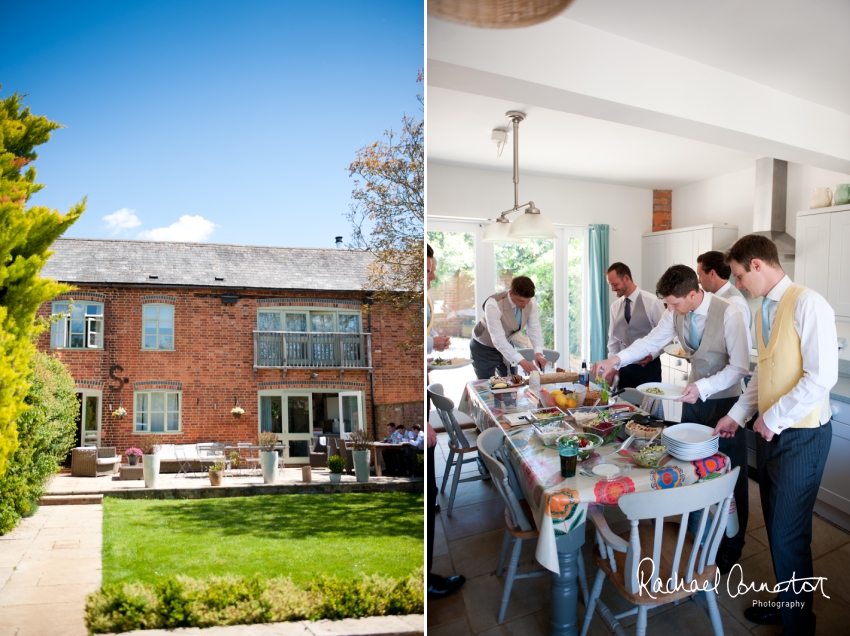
point(215, 477)
point(236, 414)
point(361, 464)
point(133, 459)
point(150, 469)
point(268, 463)
point(336, 478)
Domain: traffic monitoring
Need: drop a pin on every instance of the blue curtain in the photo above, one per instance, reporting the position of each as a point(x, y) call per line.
point(597, 252)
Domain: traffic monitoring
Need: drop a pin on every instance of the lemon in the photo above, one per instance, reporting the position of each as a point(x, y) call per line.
point(557, 392)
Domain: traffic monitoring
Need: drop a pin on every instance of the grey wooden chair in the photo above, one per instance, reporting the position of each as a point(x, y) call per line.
point(663, 555)
point(517, 515)
point(550, 354)
point(462, 449)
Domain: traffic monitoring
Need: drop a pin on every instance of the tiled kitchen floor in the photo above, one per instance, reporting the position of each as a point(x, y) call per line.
point(470, 541)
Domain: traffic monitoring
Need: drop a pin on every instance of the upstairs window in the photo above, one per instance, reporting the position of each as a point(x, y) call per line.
point(79, 326)
point(158, 327)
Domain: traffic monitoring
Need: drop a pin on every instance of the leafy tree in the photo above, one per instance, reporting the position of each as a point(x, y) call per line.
point(45, 433)
point(25, 238)
point(388, 216)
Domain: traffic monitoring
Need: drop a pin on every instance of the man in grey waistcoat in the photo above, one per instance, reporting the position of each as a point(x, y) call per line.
point(505, 315)
point(633, 315)
point(714, 274)
point(712, 332)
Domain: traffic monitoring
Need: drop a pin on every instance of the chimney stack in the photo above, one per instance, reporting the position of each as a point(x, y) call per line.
point(339, 242)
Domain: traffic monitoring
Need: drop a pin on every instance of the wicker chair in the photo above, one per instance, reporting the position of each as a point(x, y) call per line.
point(319, 454)
point(94, 462)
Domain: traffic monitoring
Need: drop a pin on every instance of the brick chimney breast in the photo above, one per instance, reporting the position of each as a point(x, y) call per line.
point(662, 210)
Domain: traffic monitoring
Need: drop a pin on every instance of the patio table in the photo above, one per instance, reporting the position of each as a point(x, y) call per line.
point(560, 505)
point(379, 453)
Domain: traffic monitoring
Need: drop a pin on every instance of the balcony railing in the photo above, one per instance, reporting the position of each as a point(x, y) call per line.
point(312, 350)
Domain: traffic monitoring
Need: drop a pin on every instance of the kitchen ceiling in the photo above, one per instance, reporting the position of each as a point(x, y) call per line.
point(769, 50)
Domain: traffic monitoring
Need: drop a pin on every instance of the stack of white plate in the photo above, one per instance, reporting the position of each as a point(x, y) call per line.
point(690, 441)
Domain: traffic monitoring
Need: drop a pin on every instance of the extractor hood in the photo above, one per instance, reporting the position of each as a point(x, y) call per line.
point(770, 204)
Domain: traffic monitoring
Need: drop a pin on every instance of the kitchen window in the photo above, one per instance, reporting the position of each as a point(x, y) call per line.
point(158, 327)
point(78, 325)
point(157, 412)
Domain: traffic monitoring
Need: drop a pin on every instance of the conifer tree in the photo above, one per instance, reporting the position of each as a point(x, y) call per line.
point(25, 238)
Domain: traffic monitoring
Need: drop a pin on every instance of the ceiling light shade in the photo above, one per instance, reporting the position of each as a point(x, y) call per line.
point(499, 232)
point(532, 225)
point(497, 14)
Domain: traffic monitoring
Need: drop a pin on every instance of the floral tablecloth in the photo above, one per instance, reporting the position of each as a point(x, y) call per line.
point(560, 505)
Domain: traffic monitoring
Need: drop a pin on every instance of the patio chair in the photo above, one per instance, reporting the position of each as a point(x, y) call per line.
point(461, 447)
point(319, 453)
point(249, 458)
point(185, 463)
point(343, 451)
point(652, 552)
point(517, 515)
point(94, 462)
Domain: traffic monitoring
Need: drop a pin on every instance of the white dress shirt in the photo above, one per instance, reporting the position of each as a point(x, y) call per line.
point(741, 302)
point(814, 322)
point(734, 332)
point(497, 331)
point(654, 310)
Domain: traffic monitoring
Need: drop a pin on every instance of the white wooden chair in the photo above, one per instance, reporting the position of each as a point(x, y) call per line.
point(664, 556)
point(517, 515)
point(462, 449)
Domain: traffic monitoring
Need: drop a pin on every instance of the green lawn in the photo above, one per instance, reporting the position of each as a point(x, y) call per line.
point(299, 536)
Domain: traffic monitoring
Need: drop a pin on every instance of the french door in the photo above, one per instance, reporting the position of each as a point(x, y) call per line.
point(89, 418)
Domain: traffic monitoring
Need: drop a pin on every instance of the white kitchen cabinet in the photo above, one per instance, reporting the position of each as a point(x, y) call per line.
point(653, 259)
point(839, 263)
point(811, 261)
point(681, 246)
point(822, 259)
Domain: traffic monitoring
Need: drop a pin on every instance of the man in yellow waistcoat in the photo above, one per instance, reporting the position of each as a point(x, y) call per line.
point(797, 367)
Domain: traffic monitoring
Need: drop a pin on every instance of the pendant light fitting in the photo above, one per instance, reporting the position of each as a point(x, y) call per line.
point(532, 224)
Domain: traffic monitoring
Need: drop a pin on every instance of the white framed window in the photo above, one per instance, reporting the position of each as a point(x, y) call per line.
point(315, 336)
point(157, 412)
point(80, 325)
point(309, 320)
point(158, 327)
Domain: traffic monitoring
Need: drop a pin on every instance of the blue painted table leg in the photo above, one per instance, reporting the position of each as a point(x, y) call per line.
point(565, 588)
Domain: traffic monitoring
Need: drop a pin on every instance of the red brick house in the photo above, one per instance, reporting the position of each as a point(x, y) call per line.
point(178, 334)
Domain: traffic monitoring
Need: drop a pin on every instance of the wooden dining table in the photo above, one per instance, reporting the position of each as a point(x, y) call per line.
point(378, 450)
point(560, 505)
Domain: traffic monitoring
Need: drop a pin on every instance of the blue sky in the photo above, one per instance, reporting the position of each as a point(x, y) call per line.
point(209, 120)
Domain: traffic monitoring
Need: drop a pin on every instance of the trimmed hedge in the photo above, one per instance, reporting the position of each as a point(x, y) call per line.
point(46, 432)
point(185, 602)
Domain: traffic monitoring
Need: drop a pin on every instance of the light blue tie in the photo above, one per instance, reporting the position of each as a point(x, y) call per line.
point(765, 319)
point(692, 335)
point(518, 314)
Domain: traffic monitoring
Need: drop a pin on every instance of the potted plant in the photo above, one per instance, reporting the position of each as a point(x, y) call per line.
point(336, 464)
point(419, 468)
point(360, 444)
point(216, 471)
point(237, 411)
point(268, 457)
point(150, 460)
point(119, 413)
point(133, 455)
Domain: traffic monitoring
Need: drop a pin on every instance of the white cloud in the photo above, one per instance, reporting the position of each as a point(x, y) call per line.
point(192, 229)
point(123, 219)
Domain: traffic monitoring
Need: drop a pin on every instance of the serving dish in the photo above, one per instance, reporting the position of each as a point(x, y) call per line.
point(546, 415)
point(586, 442)
point(667, 391)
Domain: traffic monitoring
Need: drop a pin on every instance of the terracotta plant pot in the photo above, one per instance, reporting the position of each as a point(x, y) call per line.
point(215, 477)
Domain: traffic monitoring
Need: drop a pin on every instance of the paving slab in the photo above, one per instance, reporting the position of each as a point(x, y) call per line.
point(371, 626)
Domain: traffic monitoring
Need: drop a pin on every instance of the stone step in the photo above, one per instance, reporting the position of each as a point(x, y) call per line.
point(67, 500)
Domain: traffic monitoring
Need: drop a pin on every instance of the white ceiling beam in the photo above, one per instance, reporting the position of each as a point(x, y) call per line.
point(570, 67)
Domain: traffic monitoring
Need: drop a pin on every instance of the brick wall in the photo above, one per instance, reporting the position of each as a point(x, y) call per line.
point(213, 361)
point(662, 210)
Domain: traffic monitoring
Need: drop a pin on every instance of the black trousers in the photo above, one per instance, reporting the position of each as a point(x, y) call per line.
point(634, 375)
point(487, 361)
point(709, 413)
point(431, 501)
point(790, 467)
